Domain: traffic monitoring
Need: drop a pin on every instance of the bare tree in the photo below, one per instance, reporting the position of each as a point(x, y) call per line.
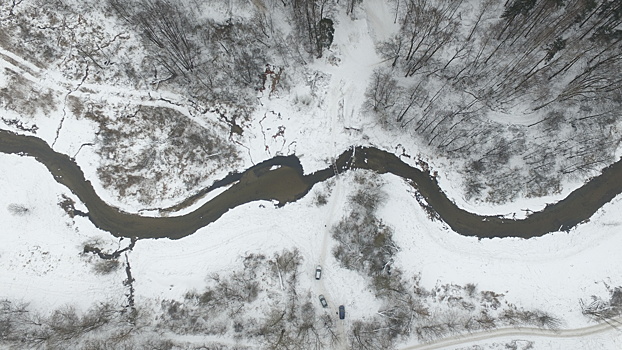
point(382, 94)
point(166, 25)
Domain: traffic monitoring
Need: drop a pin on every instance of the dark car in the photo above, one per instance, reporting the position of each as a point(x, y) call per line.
point(323, 301)
point(342, 312)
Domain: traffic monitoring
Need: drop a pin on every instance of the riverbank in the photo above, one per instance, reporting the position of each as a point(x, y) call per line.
point(304, 130)
point(282, 179)
point(551, 273)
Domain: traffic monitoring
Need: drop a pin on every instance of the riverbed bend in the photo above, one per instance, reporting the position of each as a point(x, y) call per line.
point(282, 179)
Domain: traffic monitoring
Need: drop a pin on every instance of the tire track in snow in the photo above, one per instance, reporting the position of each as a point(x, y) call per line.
point(519, 332)
point(332, 110)
point(335, 101)
point(52, 80)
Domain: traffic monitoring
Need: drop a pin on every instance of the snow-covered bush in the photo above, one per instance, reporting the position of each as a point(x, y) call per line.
point(365, 243)
point(18, 209)
point(106, 266)
point(142, 152)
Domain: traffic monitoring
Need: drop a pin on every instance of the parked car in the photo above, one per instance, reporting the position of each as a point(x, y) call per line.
point(323, 301)
point(318, 272)
point(342, 312)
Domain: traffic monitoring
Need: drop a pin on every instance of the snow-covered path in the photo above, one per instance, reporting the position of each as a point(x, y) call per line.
point(552, 272)
point(610, 328)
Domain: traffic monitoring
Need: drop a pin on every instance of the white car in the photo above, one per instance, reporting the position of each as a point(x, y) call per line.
point(318, 272)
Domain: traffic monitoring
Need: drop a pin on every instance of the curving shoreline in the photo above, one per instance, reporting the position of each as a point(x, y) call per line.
point(288, 183)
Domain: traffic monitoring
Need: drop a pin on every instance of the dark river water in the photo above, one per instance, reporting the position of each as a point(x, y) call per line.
point(282, 179)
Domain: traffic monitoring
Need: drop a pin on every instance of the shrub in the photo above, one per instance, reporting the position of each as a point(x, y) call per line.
point(106, 266)
point(18, 209)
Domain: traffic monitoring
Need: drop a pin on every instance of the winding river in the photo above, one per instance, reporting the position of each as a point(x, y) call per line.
point(282, 179)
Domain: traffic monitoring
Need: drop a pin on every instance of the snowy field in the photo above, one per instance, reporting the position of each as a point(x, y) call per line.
point(41, 250)
point(43, 264)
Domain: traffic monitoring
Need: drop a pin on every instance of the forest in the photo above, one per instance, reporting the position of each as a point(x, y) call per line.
point(526, 91)
point(520, 96)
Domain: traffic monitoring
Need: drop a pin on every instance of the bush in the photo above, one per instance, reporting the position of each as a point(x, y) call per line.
point(320, 199)
point(18, 209)
point(106, 266)
point(365, 242)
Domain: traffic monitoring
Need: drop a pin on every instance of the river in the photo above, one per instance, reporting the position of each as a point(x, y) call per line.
point(282, 179)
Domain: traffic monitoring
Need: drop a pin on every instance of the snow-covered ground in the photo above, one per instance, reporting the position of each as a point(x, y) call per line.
point(41, 249)
point(550, 273)
point(43, 265)
point(592, 338)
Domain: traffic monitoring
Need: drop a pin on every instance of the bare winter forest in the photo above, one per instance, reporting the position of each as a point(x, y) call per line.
point(527, 91)
point(520, 96)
